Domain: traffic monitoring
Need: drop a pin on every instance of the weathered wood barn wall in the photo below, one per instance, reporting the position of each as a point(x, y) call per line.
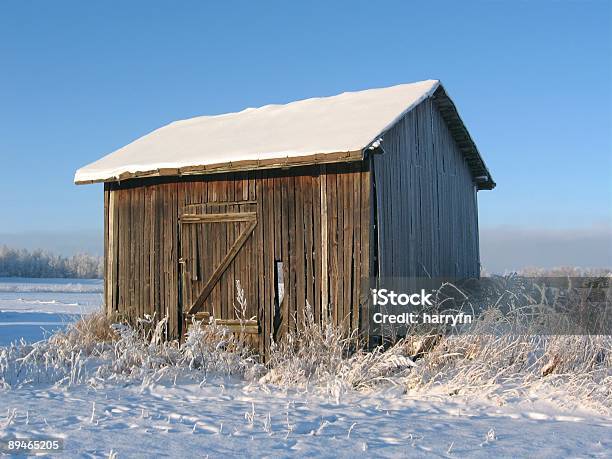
point(296, 230)
point(427, 211)
point(315, 220)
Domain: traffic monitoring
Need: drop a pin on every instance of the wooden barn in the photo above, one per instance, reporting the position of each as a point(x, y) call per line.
point(297, 202)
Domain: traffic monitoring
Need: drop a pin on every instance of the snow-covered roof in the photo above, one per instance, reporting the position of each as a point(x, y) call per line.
point(322, 129)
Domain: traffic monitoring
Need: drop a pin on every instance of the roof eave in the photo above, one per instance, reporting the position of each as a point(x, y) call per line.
point(464, 140)
point(236, 166)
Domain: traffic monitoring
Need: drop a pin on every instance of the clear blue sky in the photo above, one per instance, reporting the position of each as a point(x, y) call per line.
point(532, 80)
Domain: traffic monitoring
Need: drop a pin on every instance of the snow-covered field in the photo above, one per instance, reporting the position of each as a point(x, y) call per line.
point(138, 407)
point(222, 418)
point(33, 308)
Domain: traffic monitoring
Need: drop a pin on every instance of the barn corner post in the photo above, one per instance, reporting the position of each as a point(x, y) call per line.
point(308, 227)
point(110, 254)
point(107, 303)
point(182, 319)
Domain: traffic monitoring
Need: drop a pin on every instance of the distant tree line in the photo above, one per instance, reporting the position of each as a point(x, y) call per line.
point(41, 263)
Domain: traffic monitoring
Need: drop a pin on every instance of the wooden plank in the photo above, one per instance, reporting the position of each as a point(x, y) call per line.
point(144, 253)
point(249, 267)
point(347, 255)
point(290, 286)
point(149, 248)
point(339, 208)
point(165, 253)
point(324, 242)
point(250, 193)
point(199, 241)
point(114, 247)
point(237, 326)
point(285, 310)
point(127, 269)
point(155, 268)
point(240, 272)
point(107, 258)
point(169, 262)
point(168, 256)
point(277, 234)
point(284, 257)
point(316, 232)
point(200, 207)
point(201, 234)
point(218, 217)
point(202, 316)
point(233, 325)
point(216, 252)
point(366, 236)
point(245, 188)
point(307, 187)
point(332, 235)
point(131, 230)
point(261, 235)
point(137, 243)
point(195, 245)
point(228, 279)
point(138, 251)
point(227, 311)
point(174, 306)
point(194, 242)
point(120, 243)
point(300, 274)
point(213, 247)
point(125, 253)
point(141, 252)
point(117, 247)
point(182, 241)
point(268, 307)
point(356, 206)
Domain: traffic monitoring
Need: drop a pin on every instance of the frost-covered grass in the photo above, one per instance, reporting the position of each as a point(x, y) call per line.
point(501, 366)
point(94, 348)
point(105, 386)
point(321, 359)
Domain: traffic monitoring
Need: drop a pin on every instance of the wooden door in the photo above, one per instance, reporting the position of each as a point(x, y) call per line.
point(217, 250)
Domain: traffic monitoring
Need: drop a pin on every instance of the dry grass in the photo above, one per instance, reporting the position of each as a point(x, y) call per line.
point(498, 366)
point(502, 355)
point(510, 366)
point(90, 330)
point(311, 352)
point(500, 359)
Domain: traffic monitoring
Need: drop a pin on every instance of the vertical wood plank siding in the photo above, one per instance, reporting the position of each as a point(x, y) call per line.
point(426, 201)
point(297, 211)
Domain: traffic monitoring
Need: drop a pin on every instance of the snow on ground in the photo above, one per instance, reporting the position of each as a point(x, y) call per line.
point(228, 417)
point(33, 308)
point(223, 417)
